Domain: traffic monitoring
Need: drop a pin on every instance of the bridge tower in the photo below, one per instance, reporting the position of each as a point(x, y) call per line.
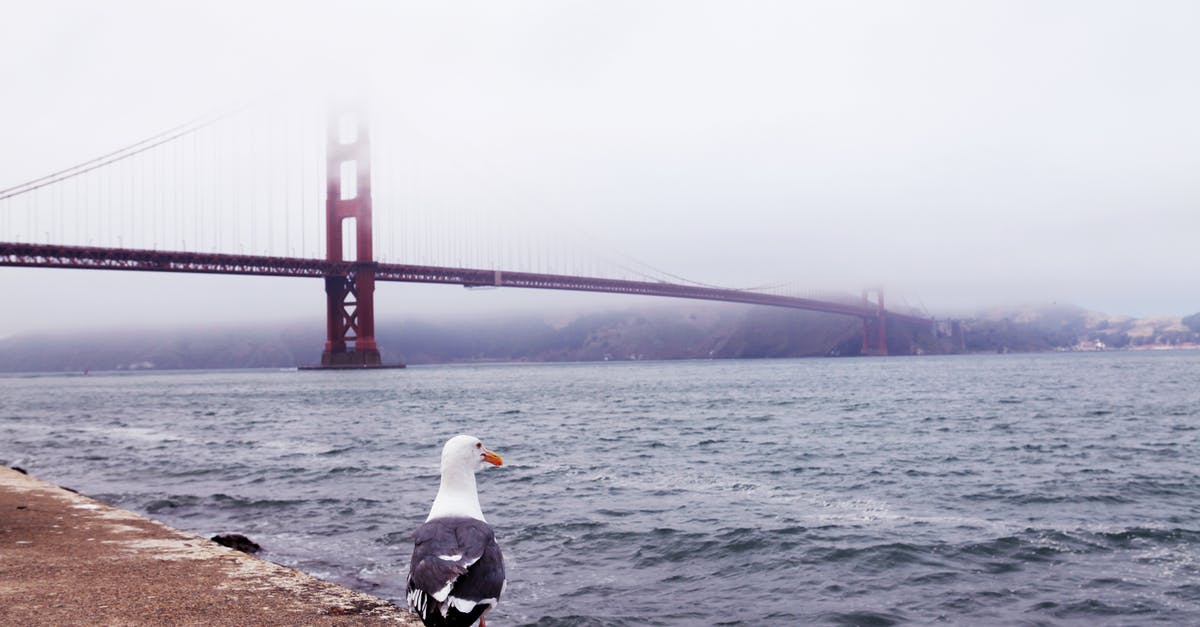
point(350, 298)
point(874, 326)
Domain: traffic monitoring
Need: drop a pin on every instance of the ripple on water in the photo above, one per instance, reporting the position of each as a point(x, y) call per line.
point(1042, 489)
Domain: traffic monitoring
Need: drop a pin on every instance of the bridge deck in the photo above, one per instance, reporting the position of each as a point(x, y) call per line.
point(53, 256)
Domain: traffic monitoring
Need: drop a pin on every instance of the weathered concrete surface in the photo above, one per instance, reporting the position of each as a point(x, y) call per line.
point(66, 559)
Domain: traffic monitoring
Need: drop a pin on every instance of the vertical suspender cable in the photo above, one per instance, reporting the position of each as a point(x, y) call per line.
point(176, 186)
point(197, 232)
point(80, 215)
point(287, 184)
point(273, 166)
point(236, 142)
point(223, 142)
point(154, 205)
point(252, 185)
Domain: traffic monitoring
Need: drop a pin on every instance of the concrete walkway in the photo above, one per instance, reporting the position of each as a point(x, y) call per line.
point(66, 559)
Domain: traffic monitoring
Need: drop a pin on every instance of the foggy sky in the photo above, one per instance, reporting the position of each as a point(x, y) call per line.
point(962, 154)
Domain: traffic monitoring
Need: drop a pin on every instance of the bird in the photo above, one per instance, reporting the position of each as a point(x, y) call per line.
point(457, 570)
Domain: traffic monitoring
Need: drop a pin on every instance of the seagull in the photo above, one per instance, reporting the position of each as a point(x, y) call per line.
point(457, 571)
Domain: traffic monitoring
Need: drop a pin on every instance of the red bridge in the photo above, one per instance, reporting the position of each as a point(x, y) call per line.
point(349, 267)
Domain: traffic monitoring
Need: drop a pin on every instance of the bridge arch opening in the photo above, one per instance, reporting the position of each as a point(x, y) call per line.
point(348, 179)
point(350, 239)
point(347, 128)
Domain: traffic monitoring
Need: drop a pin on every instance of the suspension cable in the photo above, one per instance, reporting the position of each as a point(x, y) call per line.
point(121, 154)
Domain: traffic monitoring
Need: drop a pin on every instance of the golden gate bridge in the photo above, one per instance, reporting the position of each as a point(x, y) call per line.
point(229, 194)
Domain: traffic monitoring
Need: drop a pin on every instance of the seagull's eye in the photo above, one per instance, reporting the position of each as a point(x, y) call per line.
point(479, 445)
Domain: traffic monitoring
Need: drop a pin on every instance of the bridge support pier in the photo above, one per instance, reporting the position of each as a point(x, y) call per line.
point(874, 327)
point(350, 319)
point(350, 298)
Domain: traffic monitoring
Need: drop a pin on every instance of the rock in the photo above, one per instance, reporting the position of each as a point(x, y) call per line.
point(237, 542)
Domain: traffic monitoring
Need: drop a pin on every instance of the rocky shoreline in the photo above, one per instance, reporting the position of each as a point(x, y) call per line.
point(66, 559)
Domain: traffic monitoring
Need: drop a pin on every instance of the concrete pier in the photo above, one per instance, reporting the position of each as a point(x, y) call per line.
point(66, 559)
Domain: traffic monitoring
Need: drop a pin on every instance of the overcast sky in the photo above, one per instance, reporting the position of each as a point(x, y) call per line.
point(962, 154)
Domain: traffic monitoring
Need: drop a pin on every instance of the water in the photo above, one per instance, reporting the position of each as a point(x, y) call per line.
point(1015, 489)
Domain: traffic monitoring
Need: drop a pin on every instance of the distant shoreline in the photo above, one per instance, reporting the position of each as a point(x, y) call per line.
point(640, 334)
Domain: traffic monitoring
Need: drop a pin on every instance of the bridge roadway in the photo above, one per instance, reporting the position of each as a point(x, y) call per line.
point(81, 257)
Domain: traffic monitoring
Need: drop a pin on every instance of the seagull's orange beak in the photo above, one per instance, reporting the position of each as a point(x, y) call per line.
point(492, 458)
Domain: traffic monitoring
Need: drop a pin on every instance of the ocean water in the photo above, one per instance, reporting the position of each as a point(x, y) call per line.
point(1006, 489)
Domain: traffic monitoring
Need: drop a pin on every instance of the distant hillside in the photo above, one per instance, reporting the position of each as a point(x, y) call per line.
point(1065, 327)
point(185, 348)
point(692, 331)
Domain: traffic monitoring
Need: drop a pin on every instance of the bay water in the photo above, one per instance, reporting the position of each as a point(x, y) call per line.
point(997, 489)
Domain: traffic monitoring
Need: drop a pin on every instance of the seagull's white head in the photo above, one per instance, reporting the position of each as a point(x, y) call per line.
point(467, 452)
point(462, 457)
